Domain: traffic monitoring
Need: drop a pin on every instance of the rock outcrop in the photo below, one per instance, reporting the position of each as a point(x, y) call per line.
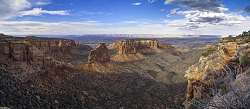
point(49, 42)
point(134, 49)
point(227, 50)
point(100, 54)
point(17, 51)
point(34, 53)
point(24, 49)
point(133, 46)
point(214, 75)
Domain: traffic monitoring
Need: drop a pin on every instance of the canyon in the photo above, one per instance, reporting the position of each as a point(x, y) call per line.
point(139, 73)
point(58, 69)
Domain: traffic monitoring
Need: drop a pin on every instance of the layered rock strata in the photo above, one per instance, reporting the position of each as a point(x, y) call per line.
point(34, 53)
point(133, 46)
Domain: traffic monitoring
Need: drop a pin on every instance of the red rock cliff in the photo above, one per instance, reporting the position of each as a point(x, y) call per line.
point(31, 49)
point(133, 46)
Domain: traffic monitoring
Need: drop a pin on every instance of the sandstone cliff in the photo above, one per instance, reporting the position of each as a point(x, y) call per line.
point(134, 49)
point(32, 54)
point(133, 46)
point(24, 48)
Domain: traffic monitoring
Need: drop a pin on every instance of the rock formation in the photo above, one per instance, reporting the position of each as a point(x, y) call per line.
point(49, 42)
point(214, 74)
point(134, 49)
point(133, 46)
point(227, 50)
point(22, 49)
point(34, 53)
point(99, 55)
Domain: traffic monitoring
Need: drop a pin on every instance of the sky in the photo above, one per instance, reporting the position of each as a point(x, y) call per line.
point(78, 17)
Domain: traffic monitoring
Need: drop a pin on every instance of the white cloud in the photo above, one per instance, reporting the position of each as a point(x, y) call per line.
point(9, 8)
point(41, 3)
point(171, 27)
point(18, 8)
point(78, 28)
point(40, 11)
point(207, 17)
point(169, 1)
point(174, 11)
point(227, 27)
point(195, 19)
point(211, 17)
point(137, 3)
point(210, 5)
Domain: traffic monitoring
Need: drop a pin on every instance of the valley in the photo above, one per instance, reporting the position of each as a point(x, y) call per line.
point(124, 54)
point(138, 73)
point(60, 72)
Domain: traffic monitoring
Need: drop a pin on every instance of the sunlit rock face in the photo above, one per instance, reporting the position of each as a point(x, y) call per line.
point(100, 54)
point(133, 46)
point(228, 50)
point(200, 76)
point(134, 49)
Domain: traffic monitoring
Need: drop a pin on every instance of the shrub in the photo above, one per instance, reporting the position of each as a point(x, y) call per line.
point(224, 89)
point(244, 59)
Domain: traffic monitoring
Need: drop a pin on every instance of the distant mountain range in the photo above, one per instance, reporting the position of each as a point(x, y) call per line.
point(109, 38)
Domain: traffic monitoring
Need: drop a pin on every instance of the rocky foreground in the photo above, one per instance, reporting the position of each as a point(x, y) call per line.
point(220, 80)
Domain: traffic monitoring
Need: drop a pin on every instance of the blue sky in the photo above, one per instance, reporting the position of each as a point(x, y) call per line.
point(77, 17)
point(104, 10)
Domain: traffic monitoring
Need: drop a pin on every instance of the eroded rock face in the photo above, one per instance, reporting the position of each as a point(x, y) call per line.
point(24, 49)
point(34, 54)
point(46, 42)
point(133, 46)
point(17, 51)
point(100, 54)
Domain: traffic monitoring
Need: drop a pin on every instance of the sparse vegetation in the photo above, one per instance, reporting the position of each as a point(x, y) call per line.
point(244, 59)
point(244, 34)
